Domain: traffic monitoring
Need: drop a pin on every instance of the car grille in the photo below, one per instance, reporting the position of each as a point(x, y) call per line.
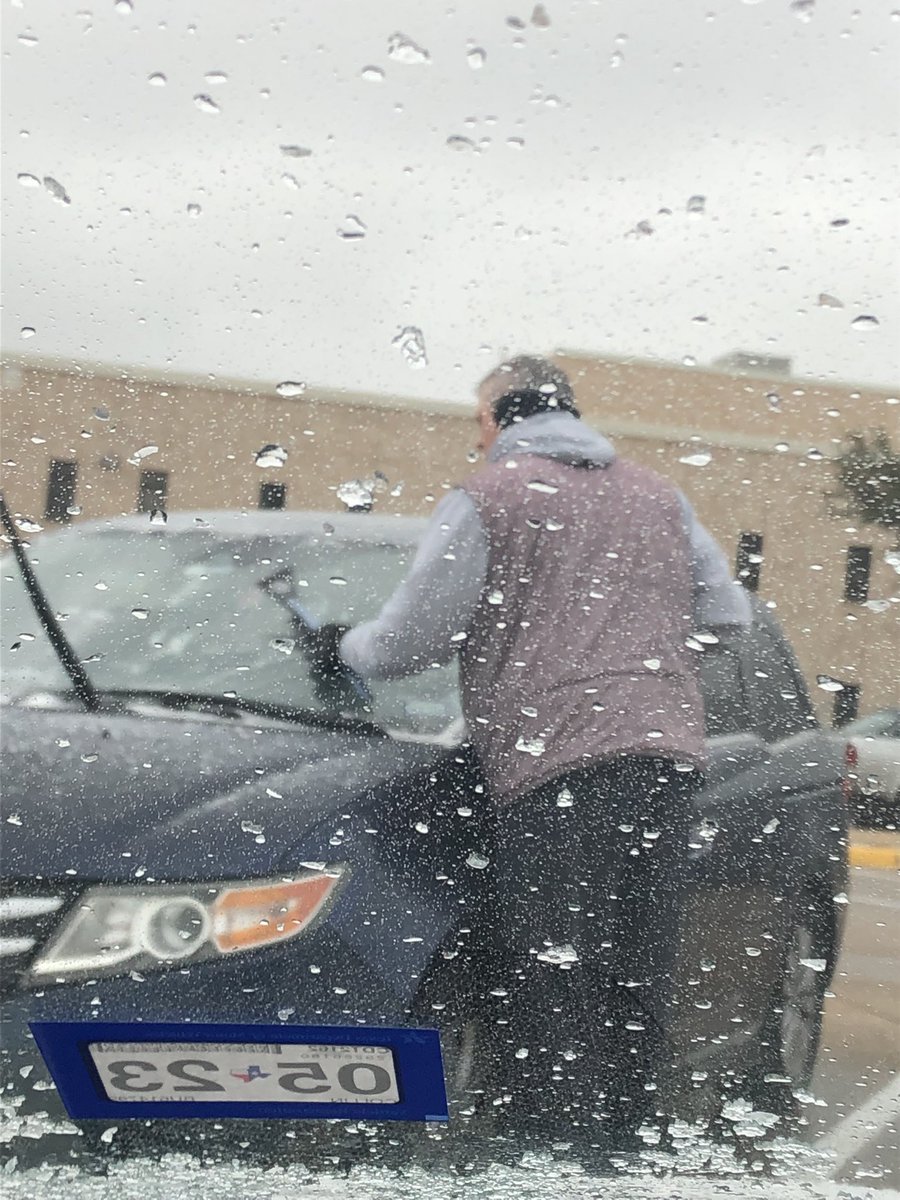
point(29, 912)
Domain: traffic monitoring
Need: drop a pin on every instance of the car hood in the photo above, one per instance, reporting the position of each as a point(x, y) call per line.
point(106, 796)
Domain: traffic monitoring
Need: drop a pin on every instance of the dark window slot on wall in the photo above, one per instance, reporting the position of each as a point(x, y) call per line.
point(857, 574)
point(272, 495)
point(61, 484)
point(749, 560)
point(846, 705)
point(153, 491)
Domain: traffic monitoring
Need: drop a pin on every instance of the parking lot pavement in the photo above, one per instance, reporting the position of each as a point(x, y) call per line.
point(856, 1116)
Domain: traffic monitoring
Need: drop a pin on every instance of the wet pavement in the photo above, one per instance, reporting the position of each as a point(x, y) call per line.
point(857, 1115)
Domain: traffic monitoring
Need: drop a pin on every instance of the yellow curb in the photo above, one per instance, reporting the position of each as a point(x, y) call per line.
point(886, 858)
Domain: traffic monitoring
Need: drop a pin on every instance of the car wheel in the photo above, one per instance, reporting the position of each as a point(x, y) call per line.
point(802, 999)
point(789, 1040)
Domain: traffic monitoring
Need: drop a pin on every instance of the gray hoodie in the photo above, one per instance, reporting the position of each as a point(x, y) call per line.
point(437, 600)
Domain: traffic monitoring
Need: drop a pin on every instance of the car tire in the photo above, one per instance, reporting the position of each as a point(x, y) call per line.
point(789, 1039)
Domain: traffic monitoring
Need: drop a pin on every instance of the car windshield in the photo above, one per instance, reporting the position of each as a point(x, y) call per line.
point(161, 610)
point(880, 724)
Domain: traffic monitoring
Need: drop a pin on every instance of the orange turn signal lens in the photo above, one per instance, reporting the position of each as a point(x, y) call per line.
point(246, 917)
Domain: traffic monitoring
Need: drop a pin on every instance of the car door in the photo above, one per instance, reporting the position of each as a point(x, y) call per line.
point(737, 906)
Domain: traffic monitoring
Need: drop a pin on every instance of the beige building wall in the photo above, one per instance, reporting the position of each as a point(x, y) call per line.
point(767, 442)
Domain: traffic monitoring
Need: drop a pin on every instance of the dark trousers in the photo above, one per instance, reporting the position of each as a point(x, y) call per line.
point(584, 908)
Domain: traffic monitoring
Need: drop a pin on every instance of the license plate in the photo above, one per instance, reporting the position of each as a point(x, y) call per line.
point(214, 1072)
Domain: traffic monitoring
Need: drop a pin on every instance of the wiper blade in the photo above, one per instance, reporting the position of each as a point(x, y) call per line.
point(62, 647)
point(334, 722)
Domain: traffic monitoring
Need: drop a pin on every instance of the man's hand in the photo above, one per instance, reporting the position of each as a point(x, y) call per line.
point(324, 651)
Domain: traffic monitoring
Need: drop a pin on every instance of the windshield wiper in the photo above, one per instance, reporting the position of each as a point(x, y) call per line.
point(115, 699)
point(81, 683)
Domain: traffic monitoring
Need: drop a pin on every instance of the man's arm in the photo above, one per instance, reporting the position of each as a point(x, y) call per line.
point(434, 603)
point(718, 599)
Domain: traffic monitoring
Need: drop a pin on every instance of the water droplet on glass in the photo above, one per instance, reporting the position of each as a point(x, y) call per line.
point(282, 645)
point(352, 229)
point(564, 956)
point(707, 829)
point(28, 39)
point(652, 664)
point(866, 321)
point(547, 489)
point(74, 510)
point(458, 142)
point(139, 455)
point(827, 684)
point(803, 9)
point(565, 799)
point(194, 210)
point(293, 151)
point(496, 597)
point(158, 516)
point(410, 341)
point(338, 581)
point(140, 614)
point(100, 586)
point(522, 1052)
point(216, 77)
point(271, 455)
point(290, 181)
point(157, 79)
point(289, 389)
point(540, 18)
point(616, 59)
point(404, 50)
point(28, 526)
point(752, 951)
point(397, 489)
point(774, 401)
point(29, 181)
point(841, 898)
point(373, 74)
point(206, 104)
point(696, 206)
point(357, 494)
point(124, 6)
point(814, 964)
point(702, 459)
point(771, 826)
point(476, 57)
point(826, 300)
point(534, 746)
point(56, 190)
point(28, 331)
point(477, 861)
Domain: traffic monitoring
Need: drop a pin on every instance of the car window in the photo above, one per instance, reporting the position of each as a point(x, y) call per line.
point(779, 701)
point(725, 702)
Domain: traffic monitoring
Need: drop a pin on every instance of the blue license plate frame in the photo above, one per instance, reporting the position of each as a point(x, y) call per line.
point(417, 1059)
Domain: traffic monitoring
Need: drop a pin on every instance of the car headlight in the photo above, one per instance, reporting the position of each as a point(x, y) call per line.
point(114, 930)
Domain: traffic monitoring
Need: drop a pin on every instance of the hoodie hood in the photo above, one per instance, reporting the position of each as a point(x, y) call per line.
point(557, 435)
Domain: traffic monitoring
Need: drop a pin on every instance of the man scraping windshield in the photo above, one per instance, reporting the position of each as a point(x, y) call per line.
point(568, 580)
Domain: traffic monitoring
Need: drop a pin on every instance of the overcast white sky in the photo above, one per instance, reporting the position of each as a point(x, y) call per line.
point(784, 116)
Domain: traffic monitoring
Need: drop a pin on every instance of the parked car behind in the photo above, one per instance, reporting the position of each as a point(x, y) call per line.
point(213, 842)
point(872, 760)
